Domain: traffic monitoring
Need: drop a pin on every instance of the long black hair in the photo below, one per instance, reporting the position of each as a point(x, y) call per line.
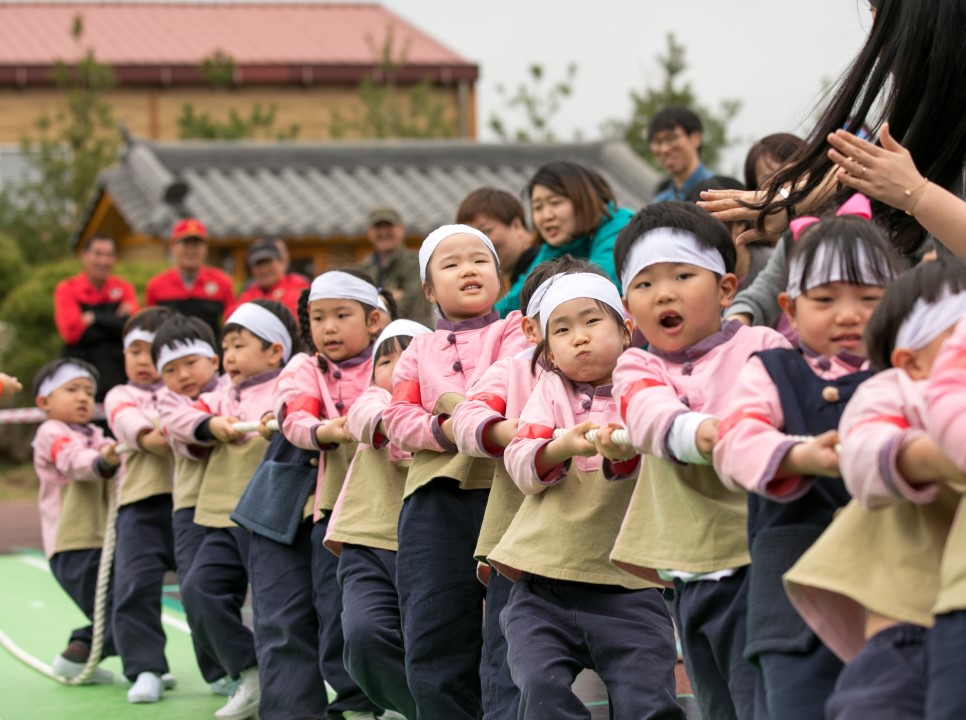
point(913, 61)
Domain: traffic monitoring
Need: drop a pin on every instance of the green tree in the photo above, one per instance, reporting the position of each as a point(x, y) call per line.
point(71, 146)
point(387, 111)
point(259, 122)
point(540, 101)
point(674, 90)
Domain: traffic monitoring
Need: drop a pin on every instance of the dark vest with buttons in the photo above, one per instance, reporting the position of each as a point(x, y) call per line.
point(779, 533)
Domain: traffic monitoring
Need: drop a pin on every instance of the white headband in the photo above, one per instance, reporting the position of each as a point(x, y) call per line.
point(399, 328)
point(263, 324)
point(381, 304)
point(579, 285)
point(927, 321)
point(183, 348)
point(432, 240)
point(63, 375)
point(337, 285)
point(533, 307)
point(669, 245)
point(826, 268)
point(138, 334)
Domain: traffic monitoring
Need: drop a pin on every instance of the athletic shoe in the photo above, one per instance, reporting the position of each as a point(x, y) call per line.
point(170, 681)
point(68, 669)
point(223, 686)
point(243, 703)
point(148, 688)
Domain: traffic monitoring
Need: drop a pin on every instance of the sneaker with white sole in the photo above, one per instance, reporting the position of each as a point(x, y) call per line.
point(243, 703)
point(68, 669)
point(223, 686)
point(170, 681)
point(148, 688)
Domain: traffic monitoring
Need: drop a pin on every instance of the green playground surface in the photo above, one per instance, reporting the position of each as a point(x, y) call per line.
point(38, 616)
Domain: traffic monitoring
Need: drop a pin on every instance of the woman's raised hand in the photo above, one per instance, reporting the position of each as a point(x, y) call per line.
point(727, 206)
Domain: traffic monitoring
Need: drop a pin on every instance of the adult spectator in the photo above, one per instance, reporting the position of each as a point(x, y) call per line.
point(191, 287)
point(501, 217)
point(675, 135)
point(574, 212)
point(269, 281)
point(90, 310)
point(394, 266)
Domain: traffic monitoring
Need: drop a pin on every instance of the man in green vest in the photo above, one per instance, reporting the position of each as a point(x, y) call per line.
point(394, 266)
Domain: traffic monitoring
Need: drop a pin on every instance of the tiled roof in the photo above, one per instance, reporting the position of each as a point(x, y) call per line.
point(248, 189)
point(141, 35)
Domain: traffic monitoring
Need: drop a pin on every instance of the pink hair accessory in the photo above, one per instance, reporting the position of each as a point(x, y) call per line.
point(858, 205)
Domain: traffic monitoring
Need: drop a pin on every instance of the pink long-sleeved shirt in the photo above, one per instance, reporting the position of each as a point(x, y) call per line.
point(447, 362)
point(131, 410)
point(306, 396)
point(752, 443)
point(73, 497)
point(946, 397)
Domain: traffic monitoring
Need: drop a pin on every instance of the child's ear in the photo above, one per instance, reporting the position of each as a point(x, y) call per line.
point(276, 354)
point(728, 286)
point(374, 322)
point(214, 363)
point(628, 328)
point(429, 293)
point(908, 361)
point(42, 402)
point(787, 305)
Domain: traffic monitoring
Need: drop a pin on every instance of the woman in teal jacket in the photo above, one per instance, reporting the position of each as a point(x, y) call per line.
point(574, 212)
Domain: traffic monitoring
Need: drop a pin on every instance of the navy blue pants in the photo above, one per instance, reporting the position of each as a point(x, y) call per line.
point(327, 597)
point(886, 681)
point(795, 685)
point(710, 617)
point(187, 540)
point(374, 654)
point(555, 628)
point(441, 599)
point(501, 696)
point(213, 594)
point(945, 686)
point(286, 628)
point(76, 571)
point(145, 551)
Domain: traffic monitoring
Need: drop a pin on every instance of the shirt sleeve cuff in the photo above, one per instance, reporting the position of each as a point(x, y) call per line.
point(379, 440)
point(439, 436)
point(203, 432)
point(920, 494)
point(682, 438)
point(494, 450)
point(621, 470)
point(315, 440)
point(104, 469)
point(785, 489)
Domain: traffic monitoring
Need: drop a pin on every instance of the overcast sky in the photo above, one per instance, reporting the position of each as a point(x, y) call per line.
point(770, 54)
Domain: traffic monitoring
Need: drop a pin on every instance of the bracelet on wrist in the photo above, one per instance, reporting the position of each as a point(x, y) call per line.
point(915, 194)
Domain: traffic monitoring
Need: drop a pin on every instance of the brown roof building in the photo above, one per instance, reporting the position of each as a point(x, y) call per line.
point(307, 60)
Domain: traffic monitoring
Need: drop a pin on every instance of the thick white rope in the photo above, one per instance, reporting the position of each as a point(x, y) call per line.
point(619, 437)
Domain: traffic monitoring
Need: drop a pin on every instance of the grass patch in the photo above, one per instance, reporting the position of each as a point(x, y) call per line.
point(18, 482)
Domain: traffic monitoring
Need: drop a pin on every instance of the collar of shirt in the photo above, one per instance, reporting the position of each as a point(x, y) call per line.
point(258, 379)
point(702, 348)
point(357, 360)
point(471, 324)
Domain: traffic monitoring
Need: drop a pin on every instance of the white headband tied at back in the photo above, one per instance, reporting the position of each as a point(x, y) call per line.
point(63, 375)
point(263, 324)
point(399, 328)
point(433, 240)
point(138, 334)
point(669, 245)
point(533, 307)
point(927, 321)
point(579, 285)
point(338, 285)
point(178, 349)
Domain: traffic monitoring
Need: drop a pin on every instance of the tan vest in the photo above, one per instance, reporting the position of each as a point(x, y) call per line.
point(885, 561)
point(567, 531)
point(227, 473)
point(501, 507)
point(681, 517)
point(188, 474)
point(336, 467)
point(146, 475)
point(83, 515)
point(472, 473)
point(952, 572)
point(372, 501)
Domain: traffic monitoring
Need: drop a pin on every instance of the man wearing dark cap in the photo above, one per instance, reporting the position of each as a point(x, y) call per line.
point(394, 266)
point(269, 281)
point(191, 287)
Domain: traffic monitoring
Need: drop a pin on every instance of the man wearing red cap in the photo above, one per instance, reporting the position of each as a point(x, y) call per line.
point(191, 287)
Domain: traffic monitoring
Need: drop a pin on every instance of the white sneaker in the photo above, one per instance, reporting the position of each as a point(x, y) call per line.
point(68, 669)
point(170, 681)
point(243, 703)
point(146, 689)
point(223, 686)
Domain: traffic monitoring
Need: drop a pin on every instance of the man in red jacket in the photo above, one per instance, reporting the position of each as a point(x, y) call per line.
point(90, 309)
point(191, 287)
point(269, 281)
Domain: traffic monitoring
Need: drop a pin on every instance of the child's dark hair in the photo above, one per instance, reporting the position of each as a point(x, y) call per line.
point(388, 347)
point(497, 204)
point(149, 319)
point(928, 281)
point(710, 232)
point(181, 329)
point(279, 311)
point(857, 246)
point(53, 366)
point(305, 327)
point(566, 264)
